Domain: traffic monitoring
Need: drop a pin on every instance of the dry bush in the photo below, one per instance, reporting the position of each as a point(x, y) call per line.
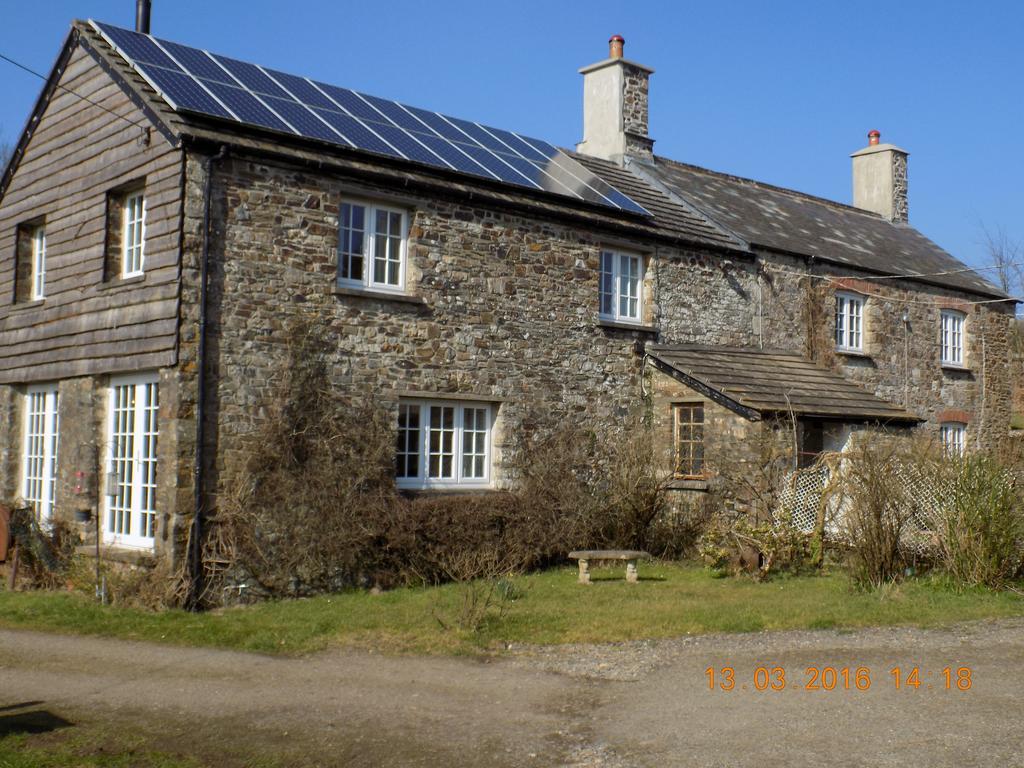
point(981, 526)
point(316, 509)
point(44, 552)
point(306, 513)
point(878, 508)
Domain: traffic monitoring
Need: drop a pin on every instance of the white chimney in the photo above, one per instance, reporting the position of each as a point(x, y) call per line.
point(880, 179)
point(615, 99)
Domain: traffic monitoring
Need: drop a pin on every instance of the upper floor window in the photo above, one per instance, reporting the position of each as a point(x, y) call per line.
point(133, 234)
point(849, 322)
point(622, 276)
point(443, 444)
point(371, 246)
point(38, 263)
point(954, 438)
point(30, 261)
point(952, 324)
point(688, 427)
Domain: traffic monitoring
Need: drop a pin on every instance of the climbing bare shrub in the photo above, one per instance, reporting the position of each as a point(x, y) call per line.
point(306, 512)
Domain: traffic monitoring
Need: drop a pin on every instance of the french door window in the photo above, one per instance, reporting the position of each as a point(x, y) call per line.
point(132, 434)
point(39, 456)
point(443, 444)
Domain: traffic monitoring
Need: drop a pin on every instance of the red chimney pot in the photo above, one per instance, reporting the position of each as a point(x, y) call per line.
point(873, 137)
point(615, 45)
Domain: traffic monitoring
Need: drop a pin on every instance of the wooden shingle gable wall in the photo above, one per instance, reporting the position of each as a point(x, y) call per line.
point(74, 157)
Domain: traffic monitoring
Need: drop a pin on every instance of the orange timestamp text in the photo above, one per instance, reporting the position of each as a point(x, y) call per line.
point(828, 678)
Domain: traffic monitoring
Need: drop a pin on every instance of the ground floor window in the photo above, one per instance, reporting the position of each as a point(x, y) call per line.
point(954, 438)
point(688, 420)
point(132, 433)
point(443, 444)
point(39, 454)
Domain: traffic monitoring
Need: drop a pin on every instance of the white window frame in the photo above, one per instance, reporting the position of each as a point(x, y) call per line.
point(954, 438)
point(615, 286)
point(368, 252)
point(849, 322)
point(38, 263)
point(133, 233)
point(459, 444)
point(132, 523)
point(39, 450)
point(951, 335)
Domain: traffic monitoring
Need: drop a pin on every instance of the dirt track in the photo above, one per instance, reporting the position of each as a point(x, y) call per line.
point(626, 705)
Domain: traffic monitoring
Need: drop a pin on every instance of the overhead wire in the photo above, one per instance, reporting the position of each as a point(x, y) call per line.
point(86, 99)
point(925, 302)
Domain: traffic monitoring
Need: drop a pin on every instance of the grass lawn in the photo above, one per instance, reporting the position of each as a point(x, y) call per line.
point(548, 607)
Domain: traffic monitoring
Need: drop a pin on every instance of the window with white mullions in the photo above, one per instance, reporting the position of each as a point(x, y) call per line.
point(443, 444)
point(132, 435)
point(621, 287)
point(954, 438)
point(39, 455)
point(474, 443)
point(38, 263)
point(371, 247)
point(849, 322)
point(952, 328)
point(407, 453)
point(133, 235)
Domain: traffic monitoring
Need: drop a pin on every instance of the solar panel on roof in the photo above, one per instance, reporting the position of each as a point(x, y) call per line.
point(194, 80)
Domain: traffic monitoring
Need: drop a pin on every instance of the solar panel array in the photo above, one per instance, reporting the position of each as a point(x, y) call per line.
point(198, 81)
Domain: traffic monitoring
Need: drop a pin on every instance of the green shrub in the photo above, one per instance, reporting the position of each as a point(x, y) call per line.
point(981, 528)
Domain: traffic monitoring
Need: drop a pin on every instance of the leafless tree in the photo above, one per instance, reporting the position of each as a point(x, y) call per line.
point(1006, 257)
point(6, 151)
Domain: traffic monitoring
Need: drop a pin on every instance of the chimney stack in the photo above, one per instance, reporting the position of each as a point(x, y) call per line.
point(142, 10)
point(615, 107)
point(880, 179)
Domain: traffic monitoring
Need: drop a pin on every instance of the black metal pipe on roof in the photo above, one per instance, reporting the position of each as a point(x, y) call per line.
point(142, 13)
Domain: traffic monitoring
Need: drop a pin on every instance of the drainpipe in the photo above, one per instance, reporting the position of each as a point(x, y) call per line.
point(195, 554)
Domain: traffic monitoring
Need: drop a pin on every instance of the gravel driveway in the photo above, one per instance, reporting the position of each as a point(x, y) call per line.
point(633, 704)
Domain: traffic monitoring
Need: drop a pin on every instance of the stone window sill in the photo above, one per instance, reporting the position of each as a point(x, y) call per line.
point(688, 484)
point(854, 353)
point(953, 368)
point(363, 293)
point(117, 282)
point(620, 326)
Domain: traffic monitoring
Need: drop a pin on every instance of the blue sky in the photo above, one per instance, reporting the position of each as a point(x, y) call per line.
point(778, 91)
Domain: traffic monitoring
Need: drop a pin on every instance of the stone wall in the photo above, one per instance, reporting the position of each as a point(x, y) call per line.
point(505, 311)
point(901, 361)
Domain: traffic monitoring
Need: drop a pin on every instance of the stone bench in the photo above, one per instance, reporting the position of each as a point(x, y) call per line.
point(585, 556)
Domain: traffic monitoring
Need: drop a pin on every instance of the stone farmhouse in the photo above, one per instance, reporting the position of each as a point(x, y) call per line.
point(153, 255)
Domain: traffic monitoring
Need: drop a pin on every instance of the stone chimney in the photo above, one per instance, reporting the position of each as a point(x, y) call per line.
point(880, 179)
point(615, 107)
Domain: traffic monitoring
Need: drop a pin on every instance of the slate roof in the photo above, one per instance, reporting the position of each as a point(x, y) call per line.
point(768, 381)
point(790, 221)
point(670, 215)
point(687, 203)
